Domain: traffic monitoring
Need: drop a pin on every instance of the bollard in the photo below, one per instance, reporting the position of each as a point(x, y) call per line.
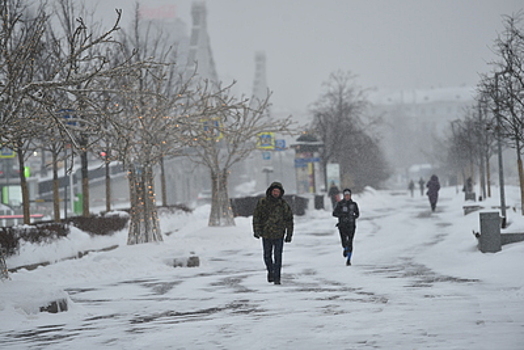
point(489, 240)
point(319, 202)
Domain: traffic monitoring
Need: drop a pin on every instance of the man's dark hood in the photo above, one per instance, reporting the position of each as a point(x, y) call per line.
point(275, 185)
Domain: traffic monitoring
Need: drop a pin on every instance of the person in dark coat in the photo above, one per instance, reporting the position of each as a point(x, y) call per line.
point(347, 213)
point(333, 194)
point(421, 184)
point(433, 187)
point(468, 186)
point(273, 221)
point(411, 187)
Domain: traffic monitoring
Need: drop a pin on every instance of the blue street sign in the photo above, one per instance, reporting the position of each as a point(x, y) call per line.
point(68, 114)
point(266, 155)
point(7, 153)
point(302, 162)
point(280, 145)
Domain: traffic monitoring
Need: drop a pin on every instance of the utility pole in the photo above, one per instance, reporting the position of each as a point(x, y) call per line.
point(499, 147)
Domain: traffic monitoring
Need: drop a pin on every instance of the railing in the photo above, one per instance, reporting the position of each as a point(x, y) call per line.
point(12, 219)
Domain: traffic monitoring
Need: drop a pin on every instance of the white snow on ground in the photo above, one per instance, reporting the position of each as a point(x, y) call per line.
point(418, 281)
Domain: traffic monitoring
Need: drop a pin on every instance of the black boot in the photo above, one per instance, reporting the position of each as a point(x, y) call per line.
point(270, 277)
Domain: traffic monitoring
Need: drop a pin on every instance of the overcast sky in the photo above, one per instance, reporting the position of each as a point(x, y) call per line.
point(388, 44)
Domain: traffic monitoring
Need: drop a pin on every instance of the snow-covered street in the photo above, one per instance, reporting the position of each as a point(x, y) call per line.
point(417, 281)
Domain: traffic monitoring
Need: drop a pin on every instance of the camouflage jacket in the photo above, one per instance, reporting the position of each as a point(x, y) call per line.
point(273, 218)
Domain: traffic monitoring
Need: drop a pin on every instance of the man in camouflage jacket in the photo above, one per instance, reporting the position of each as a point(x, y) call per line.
point(273, 221)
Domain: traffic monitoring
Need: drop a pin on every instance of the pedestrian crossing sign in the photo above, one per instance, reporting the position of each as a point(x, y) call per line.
point(266, 140)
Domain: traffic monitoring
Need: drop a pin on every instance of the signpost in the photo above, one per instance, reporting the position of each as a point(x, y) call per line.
point(7, 154)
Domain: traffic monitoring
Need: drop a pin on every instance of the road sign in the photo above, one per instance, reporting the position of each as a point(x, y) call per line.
point(266, 155)
point(266, 140)
point(68, 115)
point(280, 145)
point(6, 153)
point(213, 127)
point(303, 162)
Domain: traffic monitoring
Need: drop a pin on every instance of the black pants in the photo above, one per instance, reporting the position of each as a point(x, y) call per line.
point(433, 198)
point(347, 233)
point(273, 256)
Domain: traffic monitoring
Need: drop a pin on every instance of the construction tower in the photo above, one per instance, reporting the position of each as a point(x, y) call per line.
point(200, 56)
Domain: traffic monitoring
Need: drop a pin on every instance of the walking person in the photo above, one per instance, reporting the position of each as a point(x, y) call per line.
point(411, 187)
point(468, 186)
point(433, 186)
point(333, 194)
point(273, 221)
point(347, 213)
point(421, 184)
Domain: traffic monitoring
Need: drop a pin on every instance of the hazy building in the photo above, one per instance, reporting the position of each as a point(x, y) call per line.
point(200, 57)
point(413, 121)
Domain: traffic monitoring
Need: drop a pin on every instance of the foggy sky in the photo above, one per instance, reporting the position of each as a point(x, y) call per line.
point(388, 44)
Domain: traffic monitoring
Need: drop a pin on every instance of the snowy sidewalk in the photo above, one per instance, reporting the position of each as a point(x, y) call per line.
point(418, 282)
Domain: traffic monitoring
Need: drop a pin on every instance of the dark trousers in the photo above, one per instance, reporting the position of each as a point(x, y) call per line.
point(273, 256)
point(433, 198)
point(347, 233)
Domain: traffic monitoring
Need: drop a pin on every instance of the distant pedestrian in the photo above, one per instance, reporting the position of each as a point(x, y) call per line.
point(411, 187)
point(468, 186)
point(421, 184)
point(273, 220)
point(333, 194)
point(347, 213)
point(433, 186)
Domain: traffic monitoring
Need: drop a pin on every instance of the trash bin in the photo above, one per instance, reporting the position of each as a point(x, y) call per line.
point(319, 202)
point(489, 239)
point(78, 204)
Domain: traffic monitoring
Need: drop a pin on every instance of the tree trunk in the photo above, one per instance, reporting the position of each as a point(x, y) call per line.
point(521, 180)
point(488, 175)
point(56, 189)
point(221, 211)
point(482, 177)
point(163, 182)
point(144, 226)
point(85, 183)
point(108, 184)
point(323, 164)
point(23, 187)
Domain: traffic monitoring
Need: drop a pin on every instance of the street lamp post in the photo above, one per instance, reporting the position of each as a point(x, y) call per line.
point(499, 148)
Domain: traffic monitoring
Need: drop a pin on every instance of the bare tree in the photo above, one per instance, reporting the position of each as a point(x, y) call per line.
point(338, 110)
point(471, 144)
point(505, 88)
point(221, 131)
point(27, 87)
point(143, 124)
point(20, 45)
point(339, 121)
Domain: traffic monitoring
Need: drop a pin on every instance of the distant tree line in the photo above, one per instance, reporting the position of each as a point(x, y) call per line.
point(498, 115)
